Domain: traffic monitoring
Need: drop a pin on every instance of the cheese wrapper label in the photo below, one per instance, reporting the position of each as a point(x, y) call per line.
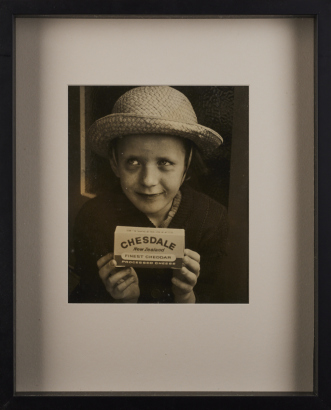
point(149, 247)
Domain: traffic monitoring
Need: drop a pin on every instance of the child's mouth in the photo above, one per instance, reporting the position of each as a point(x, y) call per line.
point(149, 196)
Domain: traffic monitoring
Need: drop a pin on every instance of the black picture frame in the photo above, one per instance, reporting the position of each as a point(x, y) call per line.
point(321, 11)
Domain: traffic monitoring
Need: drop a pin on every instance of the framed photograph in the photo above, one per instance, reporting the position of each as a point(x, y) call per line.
point(241, 146)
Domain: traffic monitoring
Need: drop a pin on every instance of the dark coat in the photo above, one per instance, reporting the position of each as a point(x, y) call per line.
point(206, 227)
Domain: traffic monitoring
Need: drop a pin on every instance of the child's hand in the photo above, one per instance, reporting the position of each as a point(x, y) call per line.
point(185, 279)
point(121, 283)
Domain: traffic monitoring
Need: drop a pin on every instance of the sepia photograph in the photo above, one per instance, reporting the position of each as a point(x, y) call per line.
point(158, 194)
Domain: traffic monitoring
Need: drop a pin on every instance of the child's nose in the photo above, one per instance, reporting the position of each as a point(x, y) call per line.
point(149, 176)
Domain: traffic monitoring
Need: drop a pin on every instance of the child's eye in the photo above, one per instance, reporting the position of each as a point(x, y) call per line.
point(133, 161)
point(164, 162)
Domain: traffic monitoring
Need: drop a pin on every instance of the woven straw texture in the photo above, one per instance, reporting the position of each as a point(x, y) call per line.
point(152, 110)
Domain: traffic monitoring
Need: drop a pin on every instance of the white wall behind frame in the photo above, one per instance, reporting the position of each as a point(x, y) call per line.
point(266, 345)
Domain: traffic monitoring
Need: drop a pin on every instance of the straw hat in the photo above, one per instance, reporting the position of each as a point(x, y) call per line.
point(152, 110)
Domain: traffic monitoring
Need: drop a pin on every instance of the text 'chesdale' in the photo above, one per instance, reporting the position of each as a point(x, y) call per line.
point(148, 239)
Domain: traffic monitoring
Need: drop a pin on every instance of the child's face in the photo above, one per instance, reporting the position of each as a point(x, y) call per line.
point(151, 170)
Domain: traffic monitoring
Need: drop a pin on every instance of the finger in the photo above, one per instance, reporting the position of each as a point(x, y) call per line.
point(177, 273)
point(192, 254)
point(130, 272)
point(119, 276)
point(188, 276)
point(105, 259)
point(191, 264)
point(107, 269)
point(125, 284)
point(184, 287)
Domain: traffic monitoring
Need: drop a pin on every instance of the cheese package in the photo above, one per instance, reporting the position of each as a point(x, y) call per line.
point(149, 247)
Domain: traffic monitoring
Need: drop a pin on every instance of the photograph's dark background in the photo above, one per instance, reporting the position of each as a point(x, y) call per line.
point(222, 108)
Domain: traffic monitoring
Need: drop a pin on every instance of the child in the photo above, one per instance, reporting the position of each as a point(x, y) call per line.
point(150, 139)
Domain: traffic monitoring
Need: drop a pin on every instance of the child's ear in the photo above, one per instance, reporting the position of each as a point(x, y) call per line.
point(113, 164)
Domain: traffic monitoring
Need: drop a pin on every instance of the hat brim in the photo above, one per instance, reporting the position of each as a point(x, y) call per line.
point(113, 126)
